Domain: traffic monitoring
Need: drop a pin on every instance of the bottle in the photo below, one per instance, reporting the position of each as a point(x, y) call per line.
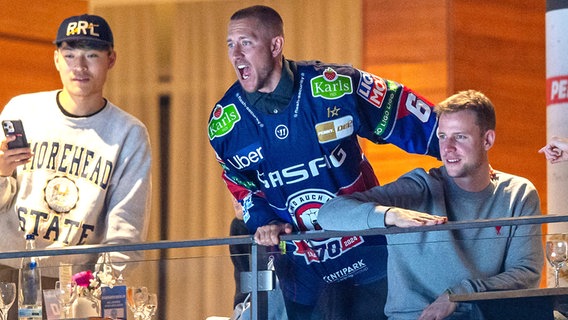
point(29, 294)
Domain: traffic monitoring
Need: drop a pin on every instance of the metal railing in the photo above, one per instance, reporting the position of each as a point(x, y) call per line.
point(248, 239)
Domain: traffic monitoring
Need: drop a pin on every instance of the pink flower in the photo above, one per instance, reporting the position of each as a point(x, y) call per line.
point(83, 278)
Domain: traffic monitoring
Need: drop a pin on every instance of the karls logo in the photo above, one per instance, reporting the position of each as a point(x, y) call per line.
point(331, 85)
point(82, 27)
point(302, 171)
point(372, 88)
point(223, 120)
point(335, 129)
point(249, 156)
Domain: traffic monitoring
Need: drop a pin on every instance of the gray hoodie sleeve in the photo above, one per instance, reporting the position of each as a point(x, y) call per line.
point(366, 210)
point(351, 212)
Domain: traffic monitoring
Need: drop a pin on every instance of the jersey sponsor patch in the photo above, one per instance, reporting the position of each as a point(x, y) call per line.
point(303, 171)
point(304, 206)
point(247, 157)
point(331, 85)
point(281, 132)
point(335, 129)
point(247, 205)
point(223, 120)
point(346, 272)
point(389, 114)
point(322, 250)
point(372, 88)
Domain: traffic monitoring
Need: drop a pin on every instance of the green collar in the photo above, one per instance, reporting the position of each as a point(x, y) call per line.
point(277, 100)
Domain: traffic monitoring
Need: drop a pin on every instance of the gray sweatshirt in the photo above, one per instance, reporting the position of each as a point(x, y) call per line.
point(423, 265)
point(87, 183)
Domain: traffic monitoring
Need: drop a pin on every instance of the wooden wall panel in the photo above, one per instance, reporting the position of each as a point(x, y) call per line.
point(26, 34)
point(438, 47)
point(405, 41)
point(499, 48)
point(404, 31)
point(37, 20)
point(26, 67)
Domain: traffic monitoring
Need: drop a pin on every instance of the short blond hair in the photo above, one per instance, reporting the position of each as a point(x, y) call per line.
point(470, 100)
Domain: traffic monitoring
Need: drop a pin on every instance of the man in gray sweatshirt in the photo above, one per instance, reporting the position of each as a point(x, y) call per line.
point(425, 267)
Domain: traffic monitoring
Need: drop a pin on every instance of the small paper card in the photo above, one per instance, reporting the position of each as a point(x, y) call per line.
point(51, 304)
point(113, 302)
point(65, 272)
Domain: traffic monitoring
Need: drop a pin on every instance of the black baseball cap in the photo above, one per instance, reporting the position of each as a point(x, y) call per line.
point(84, 27)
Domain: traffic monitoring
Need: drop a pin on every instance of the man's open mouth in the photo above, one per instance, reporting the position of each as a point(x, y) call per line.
point(244, 71)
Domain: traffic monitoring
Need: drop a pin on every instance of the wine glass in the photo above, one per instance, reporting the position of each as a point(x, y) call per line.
point(137, 299)
point(151, 306)
point(66, 293)
point(7, 297)
point(556, 253)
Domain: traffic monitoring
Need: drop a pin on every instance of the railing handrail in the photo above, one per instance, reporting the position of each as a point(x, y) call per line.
point(451, 225)
point(249, 239)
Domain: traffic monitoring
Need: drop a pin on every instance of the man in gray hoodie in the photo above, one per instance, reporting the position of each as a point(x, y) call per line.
point(425, 267)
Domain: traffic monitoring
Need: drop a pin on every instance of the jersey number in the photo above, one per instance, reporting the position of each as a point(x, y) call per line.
point(418, 107)
point(329, 249)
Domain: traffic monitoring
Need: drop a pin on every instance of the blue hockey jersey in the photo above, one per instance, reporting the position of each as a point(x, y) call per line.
point(285, 166)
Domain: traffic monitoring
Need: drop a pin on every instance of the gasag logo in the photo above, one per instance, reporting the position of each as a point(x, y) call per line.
point(331, 85)
point(303, 171)
point(372, 88)
point(335, 129)
point(223, 120)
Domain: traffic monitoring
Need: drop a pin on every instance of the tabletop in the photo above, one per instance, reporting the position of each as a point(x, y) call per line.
point(510, 294)
point(525, 304)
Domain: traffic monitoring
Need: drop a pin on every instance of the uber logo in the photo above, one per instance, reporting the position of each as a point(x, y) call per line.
point(246, 158)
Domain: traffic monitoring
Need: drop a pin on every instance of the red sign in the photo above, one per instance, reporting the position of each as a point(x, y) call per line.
point(557, 90)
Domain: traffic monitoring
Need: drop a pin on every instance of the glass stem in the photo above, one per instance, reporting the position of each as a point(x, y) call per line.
point(556, 277)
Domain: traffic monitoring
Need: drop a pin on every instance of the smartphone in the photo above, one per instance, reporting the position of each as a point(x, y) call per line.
point(15, 128)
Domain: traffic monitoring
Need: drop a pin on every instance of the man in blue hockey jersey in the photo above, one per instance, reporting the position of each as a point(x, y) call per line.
point(286, 136)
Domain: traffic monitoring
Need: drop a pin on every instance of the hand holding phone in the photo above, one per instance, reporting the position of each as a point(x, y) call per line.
point(15, 128)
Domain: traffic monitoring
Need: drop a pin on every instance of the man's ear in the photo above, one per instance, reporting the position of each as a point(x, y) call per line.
point(56, 59)
point(277, 44)
point(112, 59)
point(489, 139)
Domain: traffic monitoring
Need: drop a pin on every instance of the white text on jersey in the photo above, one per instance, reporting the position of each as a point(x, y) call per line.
point(302, 171)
